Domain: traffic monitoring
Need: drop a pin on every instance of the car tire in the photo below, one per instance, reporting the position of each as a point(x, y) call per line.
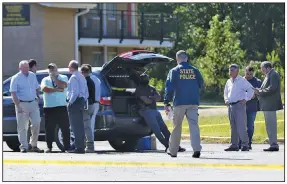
point(128, 145)
point(13, 144)
point(59, 139)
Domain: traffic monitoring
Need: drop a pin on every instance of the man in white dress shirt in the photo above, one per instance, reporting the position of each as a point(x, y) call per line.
point(236, 93)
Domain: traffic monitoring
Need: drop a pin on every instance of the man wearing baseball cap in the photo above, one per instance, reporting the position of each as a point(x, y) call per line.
point(54, 89)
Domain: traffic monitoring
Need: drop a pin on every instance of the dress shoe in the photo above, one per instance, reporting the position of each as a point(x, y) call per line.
point(23, 150)
point(173, 156)
point(250, 148)
point(48, 150)
point(90, 151)
point(36, 150)
point(232, 149)
point(180, 149)
point(76, 151)
point(245, 148)
point(271, 149)
point(196, 154)
point(68, 150)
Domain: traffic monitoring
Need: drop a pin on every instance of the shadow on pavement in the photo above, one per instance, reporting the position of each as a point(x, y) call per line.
point(225, 158)
point(99, 152)
point(117, 152)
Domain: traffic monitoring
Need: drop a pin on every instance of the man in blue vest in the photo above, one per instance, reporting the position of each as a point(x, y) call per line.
point(183, 85)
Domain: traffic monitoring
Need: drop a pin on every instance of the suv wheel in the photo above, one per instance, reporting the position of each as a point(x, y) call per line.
point(13, 144)
point(127, 145)
point(59, 138)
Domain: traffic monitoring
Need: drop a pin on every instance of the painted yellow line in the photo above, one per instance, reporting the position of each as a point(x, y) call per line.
point(144, 164)
point(225, 124)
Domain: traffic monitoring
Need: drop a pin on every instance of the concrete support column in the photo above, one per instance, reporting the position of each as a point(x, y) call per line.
point(105, 54)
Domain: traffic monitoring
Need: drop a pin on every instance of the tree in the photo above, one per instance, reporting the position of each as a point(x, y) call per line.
point(273, 57)
point(259, 28)
point(222, 49)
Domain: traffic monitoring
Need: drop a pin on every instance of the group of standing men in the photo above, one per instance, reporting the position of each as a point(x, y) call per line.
point(67, 103)
point(75, 103)
point(241, 95)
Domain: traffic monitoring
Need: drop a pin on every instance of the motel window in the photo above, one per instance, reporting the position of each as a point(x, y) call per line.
point(97, 59)
point(111, 55)
point(111, 11)
point(96, 11)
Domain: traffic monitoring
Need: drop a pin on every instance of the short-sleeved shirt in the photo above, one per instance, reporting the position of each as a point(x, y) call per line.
point(146, 91)
point(24, 86)
point(55, 99)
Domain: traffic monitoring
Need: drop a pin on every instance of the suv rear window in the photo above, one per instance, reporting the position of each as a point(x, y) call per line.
point(122, 78)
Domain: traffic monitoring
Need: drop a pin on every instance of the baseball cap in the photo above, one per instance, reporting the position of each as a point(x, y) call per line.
point(52, 65)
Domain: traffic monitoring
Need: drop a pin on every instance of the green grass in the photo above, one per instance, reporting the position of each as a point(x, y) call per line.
point(221, 127)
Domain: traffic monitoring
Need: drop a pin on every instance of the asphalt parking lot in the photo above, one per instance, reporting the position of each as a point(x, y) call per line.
point(108, 165)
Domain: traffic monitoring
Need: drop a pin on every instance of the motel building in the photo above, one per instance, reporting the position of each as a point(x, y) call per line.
point(89, 33)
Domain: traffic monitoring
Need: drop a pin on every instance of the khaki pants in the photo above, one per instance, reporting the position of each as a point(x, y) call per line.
point(191, 112)
point(89, 132)
point(30, 112)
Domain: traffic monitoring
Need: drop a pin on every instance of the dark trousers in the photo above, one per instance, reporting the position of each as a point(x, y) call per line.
point(57, 116)
point(251, 116)
point(154, 120)
point(76, 118)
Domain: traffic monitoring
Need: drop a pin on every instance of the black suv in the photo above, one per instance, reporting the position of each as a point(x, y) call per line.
point(117, 120)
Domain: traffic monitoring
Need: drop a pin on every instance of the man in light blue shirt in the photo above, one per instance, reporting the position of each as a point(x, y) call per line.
point(77, 95)
point(54, 89)
point(24, 89)
point(98, 96)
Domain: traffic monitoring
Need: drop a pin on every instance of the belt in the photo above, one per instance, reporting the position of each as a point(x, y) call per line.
point(233, 103)
point(27, 101)
point(97, 102)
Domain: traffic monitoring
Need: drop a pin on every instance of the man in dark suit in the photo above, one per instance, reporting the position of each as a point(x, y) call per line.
point(269, 102)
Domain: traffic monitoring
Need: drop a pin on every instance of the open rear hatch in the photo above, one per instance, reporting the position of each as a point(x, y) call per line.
point(135, 61)
point(122, 74)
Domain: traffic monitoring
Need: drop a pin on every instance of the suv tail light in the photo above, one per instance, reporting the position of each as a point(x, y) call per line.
point(106, 100)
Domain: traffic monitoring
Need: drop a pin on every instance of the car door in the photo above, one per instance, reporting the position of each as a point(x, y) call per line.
point(9, 115)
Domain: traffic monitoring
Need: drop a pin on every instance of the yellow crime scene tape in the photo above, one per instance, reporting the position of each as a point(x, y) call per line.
point(225, 124)
point(145, 164)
